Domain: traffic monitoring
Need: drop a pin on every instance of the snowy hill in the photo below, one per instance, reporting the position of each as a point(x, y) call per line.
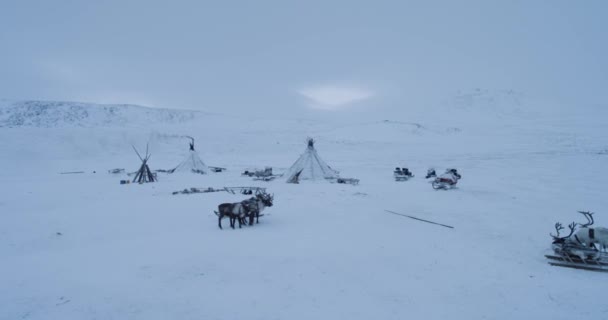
point(47, 114)
point(83, 246)
point(497, 102)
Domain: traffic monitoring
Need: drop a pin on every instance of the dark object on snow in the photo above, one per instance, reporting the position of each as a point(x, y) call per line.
point(447, 180)
point(454, 172)
point(125, 181)
point(249, 208)
point(430, 173)
point(295, 178)
point(260, 175)
point(199, 190)
point(245, 190)
point(348, 181)
point(267, 172)
point(232, 190)
point(191, 144)
point(402, 174)
point(144, 174)
point(269, 178)
point(217, 169)
point(116, 171)
point(412, 217)
point(572, 261)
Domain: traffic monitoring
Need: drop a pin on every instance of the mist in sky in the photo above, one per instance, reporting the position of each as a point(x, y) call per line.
point(288, 56)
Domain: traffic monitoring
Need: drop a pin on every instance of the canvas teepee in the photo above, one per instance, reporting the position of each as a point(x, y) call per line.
point(192, 162)
point(310, 167)
point(144, 174)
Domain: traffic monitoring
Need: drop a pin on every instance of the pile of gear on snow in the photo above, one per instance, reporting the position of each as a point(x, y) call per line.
point(447, 180)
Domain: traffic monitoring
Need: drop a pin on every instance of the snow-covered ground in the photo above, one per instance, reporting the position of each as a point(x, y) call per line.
point(83, 246)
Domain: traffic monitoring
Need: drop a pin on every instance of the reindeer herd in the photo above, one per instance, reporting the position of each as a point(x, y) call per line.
point(586, 243)
point(244, 211)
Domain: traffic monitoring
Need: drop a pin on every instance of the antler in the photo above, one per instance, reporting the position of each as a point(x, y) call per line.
point(589, 216)
point(558, 227)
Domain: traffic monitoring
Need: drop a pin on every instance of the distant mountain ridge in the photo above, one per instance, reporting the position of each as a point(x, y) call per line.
point(50, 114)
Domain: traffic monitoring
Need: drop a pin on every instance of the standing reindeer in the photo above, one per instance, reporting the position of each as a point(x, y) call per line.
point(256, 205)
point(591, 237)
point(234, 211)
point(240, 211)
point(261, 201)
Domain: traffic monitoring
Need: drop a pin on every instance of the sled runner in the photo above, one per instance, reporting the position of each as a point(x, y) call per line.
point(575, 262)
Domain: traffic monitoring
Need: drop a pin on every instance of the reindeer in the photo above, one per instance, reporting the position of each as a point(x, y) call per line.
point(591, 237)
point(567, 247)
point(241, 210)
point(234, 211)
point(256, 205)
point(562, 240)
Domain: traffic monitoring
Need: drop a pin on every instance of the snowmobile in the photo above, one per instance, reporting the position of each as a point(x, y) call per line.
point(447, 180)
point(402, 174)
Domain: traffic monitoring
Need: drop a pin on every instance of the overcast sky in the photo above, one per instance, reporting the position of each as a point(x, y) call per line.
point(288, 55)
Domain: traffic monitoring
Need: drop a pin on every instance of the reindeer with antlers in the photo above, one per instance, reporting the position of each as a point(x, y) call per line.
point(591, 237)
point(240, 211)
point(569, 248)
point(582, 248)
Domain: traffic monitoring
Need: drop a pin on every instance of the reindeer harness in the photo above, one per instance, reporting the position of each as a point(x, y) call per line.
point(591, 235)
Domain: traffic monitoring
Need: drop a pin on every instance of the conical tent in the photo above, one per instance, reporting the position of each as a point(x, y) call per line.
point(192, 162)
point(144, 174)
point(310, 167)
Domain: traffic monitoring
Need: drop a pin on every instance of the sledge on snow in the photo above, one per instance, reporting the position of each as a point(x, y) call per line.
point(447, 180)
point(232, 190)
point(402, 174)
point(352, 181)
point(583, 248)
point(261, 175)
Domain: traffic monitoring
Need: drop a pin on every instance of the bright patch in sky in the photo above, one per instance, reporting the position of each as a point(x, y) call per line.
point(330, 97)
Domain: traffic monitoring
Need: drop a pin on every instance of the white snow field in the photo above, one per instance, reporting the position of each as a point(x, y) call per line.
point(83, 246)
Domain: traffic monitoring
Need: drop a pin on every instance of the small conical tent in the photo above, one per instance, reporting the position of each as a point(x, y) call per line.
point(144, 174)
point(192, 162)
point(310, 167)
